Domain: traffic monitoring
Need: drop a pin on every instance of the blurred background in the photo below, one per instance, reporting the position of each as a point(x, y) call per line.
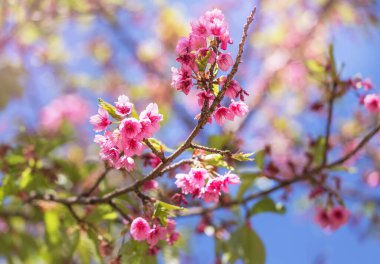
point(61, 54)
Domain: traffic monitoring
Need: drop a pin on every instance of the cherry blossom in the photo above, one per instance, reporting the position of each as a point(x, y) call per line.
point(140, 229)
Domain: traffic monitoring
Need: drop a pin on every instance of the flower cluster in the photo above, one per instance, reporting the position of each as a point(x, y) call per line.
point(141, 231)
point(70, 107)
point(118, 146)
point(332, 218)
point(370, 101)
point(200, 183)
point(201, 56)
point(358, 83)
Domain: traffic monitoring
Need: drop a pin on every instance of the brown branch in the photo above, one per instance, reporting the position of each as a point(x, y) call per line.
point(304, 177)
point(158, 153)
point(177, 164)
point(98, 181)
point(212, 150)
point(361, 144)
point(330, 111)
point(120, 211)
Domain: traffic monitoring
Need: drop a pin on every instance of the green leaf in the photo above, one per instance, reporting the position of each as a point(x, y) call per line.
point(314, 66)
point(334, 74)
point(26, 178)
point(215, 88)
point(318, 150)
point(109, 108)
point(343, 168)
point(219, 141)
point(202, 61)
point(110, 216)
point(134, 252)
point(243, 156)
point(247, 180)
point(260, 159)
point(15, 159)
point(267, 205)
point(87, 249)
point(158, 145)
point(216, 160)
point(170, 206)
point(7, 187)
point(52, 224)
point(246, 245)
point(162, 211)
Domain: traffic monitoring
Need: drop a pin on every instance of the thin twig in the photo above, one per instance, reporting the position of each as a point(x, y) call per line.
point(98, 181)
point(177, 164)
point(304, 177)
point(361, 144)
point(158, 153)
point(116, 208)
point(212, 150)
point(329, 123)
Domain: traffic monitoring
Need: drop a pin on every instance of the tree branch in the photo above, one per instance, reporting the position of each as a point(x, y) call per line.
point(212, 150)
point(98, 181)
point(329, 123)
point(304, 177)
point(154, 150)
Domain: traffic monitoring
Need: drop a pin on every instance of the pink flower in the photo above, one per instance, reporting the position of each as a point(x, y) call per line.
point(100, 121)
point(151, 160)
point(51, 119)
point(358, 83)
point(70, 107)
point(225, 39)
point(322, 217)
point(151, 113)
point(188, 60)
point(210, 196)
point(200, 27)
point(225, 61)
point(181, 79)
point(218, 28)
point(214, 14)
point(152, 251)
point(123, 106)
point(178, 198)
point(150, 185)
point(222, 114)
point(125, 162)
point(372, 102)
point(228, 179)
point(338, 217)
point(173, 238)
point(203, 53)
point(129, 128)
point(197, 42)
point(155, 234)
point(170, 226)
point(203, 96)
point(238, 108)
point(140, 229)
point(212, 191)
point(108, 149)
point(333, 218)
point(183, 46)
point(233, 89)
point(373, 179)
point(197, 177)
point(133, 147)
point(183, 183)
